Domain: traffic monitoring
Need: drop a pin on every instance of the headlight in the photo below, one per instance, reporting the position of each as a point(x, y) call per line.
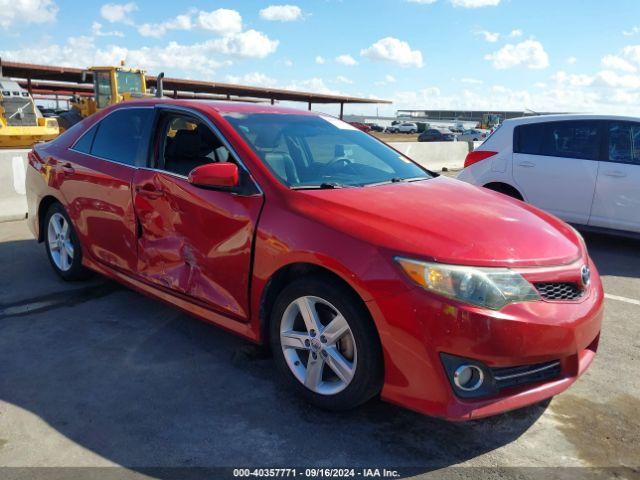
point(485, 287)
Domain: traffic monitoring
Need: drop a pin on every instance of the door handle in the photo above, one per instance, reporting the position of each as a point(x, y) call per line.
point(149, 191)
point(527, 164)
point(68, 169)
point(614, 173)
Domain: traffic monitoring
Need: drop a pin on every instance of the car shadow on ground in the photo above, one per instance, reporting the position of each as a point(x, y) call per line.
point(614, 255)
point(143, 385)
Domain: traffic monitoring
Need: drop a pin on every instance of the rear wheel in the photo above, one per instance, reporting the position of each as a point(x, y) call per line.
point(325, 344)
point(63, 247)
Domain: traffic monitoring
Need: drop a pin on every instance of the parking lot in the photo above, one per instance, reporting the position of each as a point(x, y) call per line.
point(93, 374)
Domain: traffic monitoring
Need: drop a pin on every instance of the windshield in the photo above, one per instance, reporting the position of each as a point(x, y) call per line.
point(129, 82)
point(306, 151)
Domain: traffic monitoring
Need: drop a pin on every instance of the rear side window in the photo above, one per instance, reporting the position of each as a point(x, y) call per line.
point(123, 136)
point(577, 139)
point(624, 142)
point(528, 138)
point(83, 145)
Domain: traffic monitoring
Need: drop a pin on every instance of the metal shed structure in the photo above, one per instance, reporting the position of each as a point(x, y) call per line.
point(68, 81)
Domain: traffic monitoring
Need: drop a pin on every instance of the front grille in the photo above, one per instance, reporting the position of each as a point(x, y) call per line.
point(513, 376)
point(559, 290)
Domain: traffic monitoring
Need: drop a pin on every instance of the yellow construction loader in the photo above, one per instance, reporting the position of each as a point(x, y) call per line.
point(21, 123)
point(111, 85)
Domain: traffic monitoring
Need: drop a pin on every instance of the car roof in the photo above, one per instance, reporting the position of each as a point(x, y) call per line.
point(220, 106)
point(567, 116)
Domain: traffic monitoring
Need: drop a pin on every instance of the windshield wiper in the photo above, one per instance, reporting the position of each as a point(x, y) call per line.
point(398, 180)
point(321, 186)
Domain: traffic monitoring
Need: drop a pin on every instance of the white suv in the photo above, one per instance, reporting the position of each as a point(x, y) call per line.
point(408, 127)
point(583, 168)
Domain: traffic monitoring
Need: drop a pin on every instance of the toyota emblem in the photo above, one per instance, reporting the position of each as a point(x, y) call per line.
point(585, 275)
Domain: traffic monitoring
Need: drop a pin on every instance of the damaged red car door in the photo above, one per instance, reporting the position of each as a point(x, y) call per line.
point(190, 237)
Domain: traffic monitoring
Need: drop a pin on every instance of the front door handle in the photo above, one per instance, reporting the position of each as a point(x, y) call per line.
point(614, 173)
point(149, 191)
point(527, 164)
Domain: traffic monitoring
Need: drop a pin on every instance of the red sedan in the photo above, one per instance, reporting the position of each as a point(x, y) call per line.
point(366, 273)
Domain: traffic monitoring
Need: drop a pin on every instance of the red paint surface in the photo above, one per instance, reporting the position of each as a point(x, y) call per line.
point(212, 253)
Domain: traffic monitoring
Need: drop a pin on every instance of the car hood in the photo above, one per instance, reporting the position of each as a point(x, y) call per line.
point(447, 221)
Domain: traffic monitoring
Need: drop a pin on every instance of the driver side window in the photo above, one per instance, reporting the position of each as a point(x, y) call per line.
point(187, 143)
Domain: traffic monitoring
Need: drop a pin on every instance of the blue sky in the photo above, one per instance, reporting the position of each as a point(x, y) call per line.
point(568, 55)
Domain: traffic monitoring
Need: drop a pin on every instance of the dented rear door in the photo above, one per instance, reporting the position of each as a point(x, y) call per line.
point(194, 241)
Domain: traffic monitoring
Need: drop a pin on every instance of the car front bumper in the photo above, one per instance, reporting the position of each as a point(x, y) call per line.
point(416, 327)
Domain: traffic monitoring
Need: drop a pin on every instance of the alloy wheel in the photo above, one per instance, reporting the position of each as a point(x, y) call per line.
point(60, 243)
point(318, 345)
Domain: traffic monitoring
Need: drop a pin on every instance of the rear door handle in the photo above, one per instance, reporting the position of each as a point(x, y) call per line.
point(527, 164)
point(68, 169)
point(149, 191)
point(614, 173)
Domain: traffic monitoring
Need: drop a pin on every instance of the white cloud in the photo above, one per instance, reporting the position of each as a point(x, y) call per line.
point(572, 60)
point(320, 60)
point(342, 79)
point(423, 2)
point(20, 12)
point(615, 62)
point(287, 63)
point(633, 31)
point(96, 30)
point(490, 37)
point(315, 85)
point(515, 33)
point(281, 13)
point(347, 60)
point(393, 50)
point(222, 21)
point(471, 81)
point(389, 78)
point(475, 3)
point(249, 44)
point(118, 12)
point(529, 53)
point(254, 78)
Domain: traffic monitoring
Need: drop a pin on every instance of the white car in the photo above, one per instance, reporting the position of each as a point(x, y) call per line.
point(473, 135)
point(584, 169)
point(407, 127)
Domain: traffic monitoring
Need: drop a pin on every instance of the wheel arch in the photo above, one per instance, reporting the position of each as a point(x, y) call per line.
point(43, 206)
point(293, 271)
point(504, 188)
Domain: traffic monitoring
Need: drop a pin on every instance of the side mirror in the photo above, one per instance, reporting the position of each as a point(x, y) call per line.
point(221, 174)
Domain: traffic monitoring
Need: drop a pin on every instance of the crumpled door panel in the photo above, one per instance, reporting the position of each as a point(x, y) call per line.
point(195, 241)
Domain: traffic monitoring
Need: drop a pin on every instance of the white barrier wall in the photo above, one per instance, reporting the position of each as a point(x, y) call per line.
point(436, 155)
point(13, 200)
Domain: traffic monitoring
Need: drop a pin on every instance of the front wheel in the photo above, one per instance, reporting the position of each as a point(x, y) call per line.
point(325, 344)
point(62, 244)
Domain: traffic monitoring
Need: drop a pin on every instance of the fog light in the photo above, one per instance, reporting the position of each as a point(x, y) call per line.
point(468, 377)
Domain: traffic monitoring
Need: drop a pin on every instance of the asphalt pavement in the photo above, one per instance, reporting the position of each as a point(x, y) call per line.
point(95, 375)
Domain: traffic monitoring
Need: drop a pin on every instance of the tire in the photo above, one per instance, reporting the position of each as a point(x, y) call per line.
point(62, 245)
point(357, 353)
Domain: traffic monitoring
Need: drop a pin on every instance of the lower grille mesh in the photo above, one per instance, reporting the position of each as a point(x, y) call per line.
point(559, 290)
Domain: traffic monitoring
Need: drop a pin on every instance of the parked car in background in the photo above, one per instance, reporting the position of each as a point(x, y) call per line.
point(437, 135)
point(393, 128)
point(361, 126)
point(408, 127)
point(268, 222)
point(473, 135)
point(583, 168)
point(375, 127)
